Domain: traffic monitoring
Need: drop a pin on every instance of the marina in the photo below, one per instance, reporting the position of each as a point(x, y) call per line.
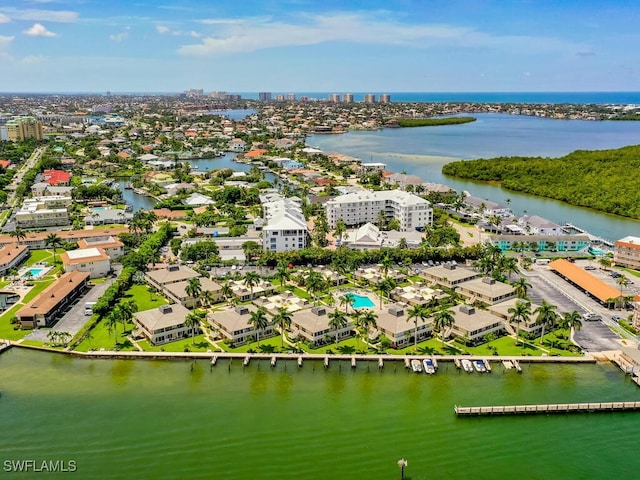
point(547, 408)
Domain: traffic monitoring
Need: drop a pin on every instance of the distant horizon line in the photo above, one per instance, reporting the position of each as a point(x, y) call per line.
point(104, 92)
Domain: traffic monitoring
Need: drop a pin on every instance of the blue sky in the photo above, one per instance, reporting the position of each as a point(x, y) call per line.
point(313, 46)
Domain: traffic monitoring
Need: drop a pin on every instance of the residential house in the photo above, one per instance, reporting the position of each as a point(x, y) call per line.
point(92, 260)
point(626, 252)
point(234, 324)
point(11, 256)
point(312, 324)
point(473, 324)
point(164, 324)
point(113, 247)
point(449, 275)
point(399, 329)
point(486, 290)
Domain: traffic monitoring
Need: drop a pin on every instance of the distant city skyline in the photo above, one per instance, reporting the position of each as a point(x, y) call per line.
point(331, 46)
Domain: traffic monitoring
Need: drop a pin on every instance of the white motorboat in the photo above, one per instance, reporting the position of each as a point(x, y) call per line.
point(416, 366)
point(467, 365)
point(479, 366)
point(429, 367)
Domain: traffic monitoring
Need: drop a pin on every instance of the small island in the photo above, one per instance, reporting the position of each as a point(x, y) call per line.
point(427, 122)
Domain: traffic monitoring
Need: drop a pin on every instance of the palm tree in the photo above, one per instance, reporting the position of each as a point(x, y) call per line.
point(337, 321)
point(546, 316)
point(415, 313)
point(347, 301)
point(126, 311)
point(259, 321)
point(206, 298)
point(283, 274)
point(622, 282)
point(520, 287)
point(226, 290)
point(443, 319)
point(54, 241)
point(384, 287)
point(520, 313)
point(18, 234)
point(251, 280)
point(192, 321)
point(315, 284)
point(509, 266)
point(605, 263)
point(193, 288)
point(112, 322)
point(385, 265)
point(283, 320)
point(367, 320)
point(572, 320)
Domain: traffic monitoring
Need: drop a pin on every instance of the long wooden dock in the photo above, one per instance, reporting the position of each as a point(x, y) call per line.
point(546, 408)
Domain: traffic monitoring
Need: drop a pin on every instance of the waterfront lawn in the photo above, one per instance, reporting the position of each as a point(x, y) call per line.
point(100, 337)
point(7, 330)
point(199, 344)
point(144, 298)
point(275, 342)
point(504, 346)
point(345, 347)
point(433, 346)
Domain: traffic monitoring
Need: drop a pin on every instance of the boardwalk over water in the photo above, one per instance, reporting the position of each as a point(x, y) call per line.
point(546, 408)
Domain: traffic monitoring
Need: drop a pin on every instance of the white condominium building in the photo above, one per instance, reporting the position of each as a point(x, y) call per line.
point(285, 226)
point(361, 207)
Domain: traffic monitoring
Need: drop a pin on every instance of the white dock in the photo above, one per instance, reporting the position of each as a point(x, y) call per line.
point(407, 363)
point(214, 360)
point(273, 361)
point(246, 361)
point(435, 362)
point(508, 364)
point(516, 365)
point(300, 361)
point(353, 362)
point(326, 362)
point(457, 363)
point(547, 408)
point(487, 365)
point(380, 363)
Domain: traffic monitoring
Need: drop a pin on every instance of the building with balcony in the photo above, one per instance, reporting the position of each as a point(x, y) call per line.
point(23, 128)
point(93, 261)
point(164, 324)
point(626, 252)
point(285, 227)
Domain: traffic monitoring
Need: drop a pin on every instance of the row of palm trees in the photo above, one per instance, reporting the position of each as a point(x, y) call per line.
point(546, 316)
point(52, 240)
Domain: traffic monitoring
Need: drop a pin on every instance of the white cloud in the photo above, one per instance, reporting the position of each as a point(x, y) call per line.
point(61, 16)
point(118, 37)
point(4, 18)
point(33, 59)
point(161, 29)
point(39, 30)
point(251, 34)
point(5, 41)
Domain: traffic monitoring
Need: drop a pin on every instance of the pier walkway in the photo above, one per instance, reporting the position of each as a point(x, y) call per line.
point(546, 408)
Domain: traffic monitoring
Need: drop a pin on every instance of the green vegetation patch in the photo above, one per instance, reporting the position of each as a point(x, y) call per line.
point(199, 344)
point(145, 298)
point(432, 122)
point(602, 179)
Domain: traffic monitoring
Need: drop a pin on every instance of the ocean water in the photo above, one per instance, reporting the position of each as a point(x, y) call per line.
point(178, 419)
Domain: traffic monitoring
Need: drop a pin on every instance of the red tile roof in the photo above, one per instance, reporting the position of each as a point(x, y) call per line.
point(55, 177)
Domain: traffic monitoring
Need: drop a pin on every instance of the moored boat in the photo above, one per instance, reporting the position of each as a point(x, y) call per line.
point(467, 365)
point(429, 367)
point(479, 366)
point(416, 366)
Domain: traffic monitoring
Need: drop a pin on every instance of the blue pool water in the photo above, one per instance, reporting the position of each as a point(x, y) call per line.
point(34, 272)
point(360, 301)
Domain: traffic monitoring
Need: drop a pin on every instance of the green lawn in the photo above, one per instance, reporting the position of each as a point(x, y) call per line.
point(433, 346)
point(4, 284)
point(36, 256)
point(145, 299)
point(346, 346)
point(635, 273)
point(504, 346)
point(101, 337)
point(273, 341)
point(199, 344)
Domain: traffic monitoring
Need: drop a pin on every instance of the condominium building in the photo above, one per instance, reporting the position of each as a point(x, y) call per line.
point(385, 98)
point(334, 97)
point(347, 98)
point(35, 213)
point(264, 96)
point(24, 127)
point(369, 98)
point(93, 261)
point(285, 227)
point(291, 97)
point(362, 207)
point(626, 252)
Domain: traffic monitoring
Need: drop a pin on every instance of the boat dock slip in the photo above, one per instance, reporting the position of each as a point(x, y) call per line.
point(326, 362)
point(457, 363)
point(380, 363)
point(300, 361)
point(508, 364)
point(516, 365)
point(435, 362)
point(487, 365)
point(353, 362)
point(546, 408)
point(407, 363)
point(214, 360)
point(246, 361)
point(273, 361)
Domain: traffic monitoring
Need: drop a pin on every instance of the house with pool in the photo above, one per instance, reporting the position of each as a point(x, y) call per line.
point(312, 324)
point(395, 324)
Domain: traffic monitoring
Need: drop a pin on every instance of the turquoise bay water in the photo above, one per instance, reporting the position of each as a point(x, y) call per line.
point(361, 301)
point(164, 419)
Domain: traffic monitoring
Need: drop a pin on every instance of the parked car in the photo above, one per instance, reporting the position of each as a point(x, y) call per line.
point(589, 267)
point(591, 317)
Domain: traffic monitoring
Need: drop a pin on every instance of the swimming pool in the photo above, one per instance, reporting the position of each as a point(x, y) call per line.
point(360, 301)
point(35, 272)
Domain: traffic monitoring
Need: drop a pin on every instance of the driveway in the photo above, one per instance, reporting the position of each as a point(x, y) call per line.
point(74, 318)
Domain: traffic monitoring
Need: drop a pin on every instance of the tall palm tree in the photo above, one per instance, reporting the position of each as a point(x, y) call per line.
point(126, 312)
point(519, 313)
point(193, 288)
point(206, 298)
point(54, 241)
point(337, 321)
point(572, 320)
point(546, 315)
point(259, 321)
point(251, 280)
point(282, 274)
point(443, 319)
point(18, 234)
point(226, 290)
point(521, 286)
point(509, 266)
point(367, 320)
point(315, 284)
point(622, 282)
point(605, 263)
point(347, 301)
point(283, 320)
point(111, 322)
point(384, 287)
point(415, 313)
point(385, 265)
point(192, 321)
